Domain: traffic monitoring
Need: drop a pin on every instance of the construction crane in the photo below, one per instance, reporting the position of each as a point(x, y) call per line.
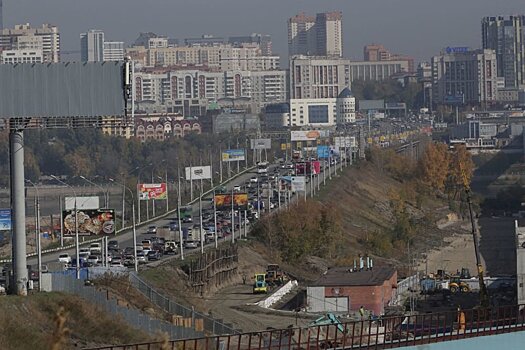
point(484, 300)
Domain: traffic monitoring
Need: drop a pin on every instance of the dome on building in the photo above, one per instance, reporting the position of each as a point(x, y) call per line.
point(345, 93)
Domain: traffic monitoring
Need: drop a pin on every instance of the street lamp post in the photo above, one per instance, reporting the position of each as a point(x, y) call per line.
point(38, 239)
point(106, 204)
point(181, 238)
point(138, 197)
point(134, 223)
point(77, 249)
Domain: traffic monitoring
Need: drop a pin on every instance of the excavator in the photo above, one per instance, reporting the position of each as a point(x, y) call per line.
point(484, 300)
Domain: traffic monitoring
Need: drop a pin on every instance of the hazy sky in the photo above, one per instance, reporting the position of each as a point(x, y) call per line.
point(415, 27)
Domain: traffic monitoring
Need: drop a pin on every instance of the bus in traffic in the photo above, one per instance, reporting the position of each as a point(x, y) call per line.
point(262, 168)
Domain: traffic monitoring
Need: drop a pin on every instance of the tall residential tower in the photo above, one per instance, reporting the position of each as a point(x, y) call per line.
point(507, 37)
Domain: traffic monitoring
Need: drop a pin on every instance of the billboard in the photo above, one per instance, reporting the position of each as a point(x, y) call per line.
point(71, 89)
point(261, 143)
point(455, 100)
point(5, 219)
point(344, 141)
point(198, 172)
point(152, 191)
point(298, 183)
point(323, 152)
point(224, 201)
point(231, 155)
point(309, 135)
point(85, 202)
point(308, 168)
point(96, 222)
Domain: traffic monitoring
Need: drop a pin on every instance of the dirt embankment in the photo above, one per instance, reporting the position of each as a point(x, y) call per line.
point(29, 323)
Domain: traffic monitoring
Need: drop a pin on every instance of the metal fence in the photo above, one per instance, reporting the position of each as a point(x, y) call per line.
point(408, 284)
point(386, 333)
point(211, 325)
point(68, 284)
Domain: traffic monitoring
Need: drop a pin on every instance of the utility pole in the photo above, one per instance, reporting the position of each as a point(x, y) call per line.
point(233, 218)
point(181, 238)
point(215, 219)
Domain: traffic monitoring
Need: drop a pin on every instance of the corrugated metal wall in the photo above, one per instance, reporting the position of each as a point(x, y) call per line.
point(70, 89)
point(315, 299)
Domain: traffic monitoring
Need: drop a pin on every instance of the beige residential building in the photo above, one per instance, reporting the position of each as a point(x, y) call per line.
point(45, 38)
point(316, 36)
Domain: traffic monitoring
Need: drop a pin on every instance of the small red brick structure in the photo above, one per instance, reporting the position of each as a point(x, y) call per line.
point(341, 290)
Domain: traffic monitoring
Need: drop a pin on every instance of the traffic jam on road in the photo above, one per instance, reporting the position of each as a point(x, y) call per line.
point(247, 197)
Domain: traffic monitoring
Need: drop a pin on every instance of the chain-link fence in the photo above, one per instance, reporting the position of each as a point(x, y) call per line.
point(210, 325)
point(137, 319)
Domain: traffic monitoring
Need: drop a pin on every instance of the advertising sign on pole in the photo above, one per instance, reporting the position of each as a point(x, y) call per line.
point(298, 184)
point(231, 155)
point(261, 143)
point(152, 191)
point(198, 173)
point(308, 135)
point(5, 219)
point(307, 168)
point(344, 141)
point(96, 222)
point(224, 201)
point(87, 202)
point(323, 152)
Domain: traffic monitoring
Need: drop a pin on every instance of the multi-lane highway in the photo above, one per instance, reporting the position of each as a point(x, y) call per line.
point(126, 239)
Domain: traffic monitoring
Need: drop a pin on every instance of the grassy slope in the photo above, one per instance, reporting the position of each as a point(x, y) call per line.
point(28, 323)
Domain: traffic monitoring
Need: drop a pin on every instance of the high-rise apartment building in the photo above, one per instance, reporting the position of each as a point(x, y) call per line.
point(461, 75)
point(329, 32)
point(113, 51)
point(316, 36)
point(318, 77)
point(507, 37)
point(92, 46)
point(302, 38)
point(24, 37)
point(378, 53)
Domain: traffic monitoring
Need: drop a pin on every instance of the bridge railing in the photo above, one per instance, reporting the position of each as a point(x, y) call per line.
point(383, 333)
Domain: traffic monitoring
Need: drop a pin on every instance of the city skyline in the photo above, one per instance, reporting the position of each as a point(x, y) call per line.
point(425, 35)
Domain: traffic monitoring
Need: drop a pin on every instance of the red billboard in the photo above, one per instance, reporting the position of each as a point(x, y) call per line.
point(308, 168)
point(152, 191)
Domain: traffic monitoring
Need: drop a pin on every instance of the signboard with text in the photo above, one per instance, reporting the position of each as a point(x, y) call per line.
point(198, 173)
point(98, 222)
point(152, 191)
point(323, 152)
point(308, 135)
point(298, 183)
point(223, 201)
point(5, 219)
point(231, 155)
point(261, 143)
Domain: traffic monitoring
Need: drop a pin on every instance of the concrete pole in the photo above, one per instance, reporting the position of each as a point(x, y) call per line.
point(18, 214)
point(181, 238)
point(123, 205)
point(200, 221)
point(245, 224)
point(134, 234)
point(60, 205)
point(38, 242)
point(215, 220)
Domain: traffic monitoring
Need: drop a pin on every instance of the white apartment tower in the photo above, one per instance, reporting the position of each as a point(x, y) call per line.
point(113, 51)
point(92, 46)
point(302, 37)
point(23, 37)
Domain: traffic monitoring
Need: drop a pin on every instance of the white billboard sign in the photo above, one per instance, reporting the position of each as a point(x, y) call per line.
point(261, 143)
point(88, 202)
point(298, 184)
point(198, 173)
point(308, 135)
point(344, 141)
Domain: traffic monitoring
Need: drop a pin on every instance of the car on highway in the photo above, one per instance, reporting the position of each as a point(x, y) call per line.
point(153, 255)
point(141, 258)
point(174, 225)
point(117, 260)
point(254, 179)
point(64, 258)
point(83, 251)
point(116, 264)
point(129, 261)
point(95, 248)
point(146, 250)
point(191, 245)
point(152, 230)
point(237, 188)
point(113, 245)
point(92, 260)
point(187, 220)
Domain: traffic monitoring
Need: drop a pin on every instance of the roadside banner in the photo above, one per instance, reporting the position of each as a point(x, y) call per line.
point(223, 201)
point(5, 219)
point(308, 135)
point(298, 183)
point(344, 141)
point(323, 152)
point(97, 222)
point(261, 143)
point(152, 191)
point(198, 173)
point(231, 155)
